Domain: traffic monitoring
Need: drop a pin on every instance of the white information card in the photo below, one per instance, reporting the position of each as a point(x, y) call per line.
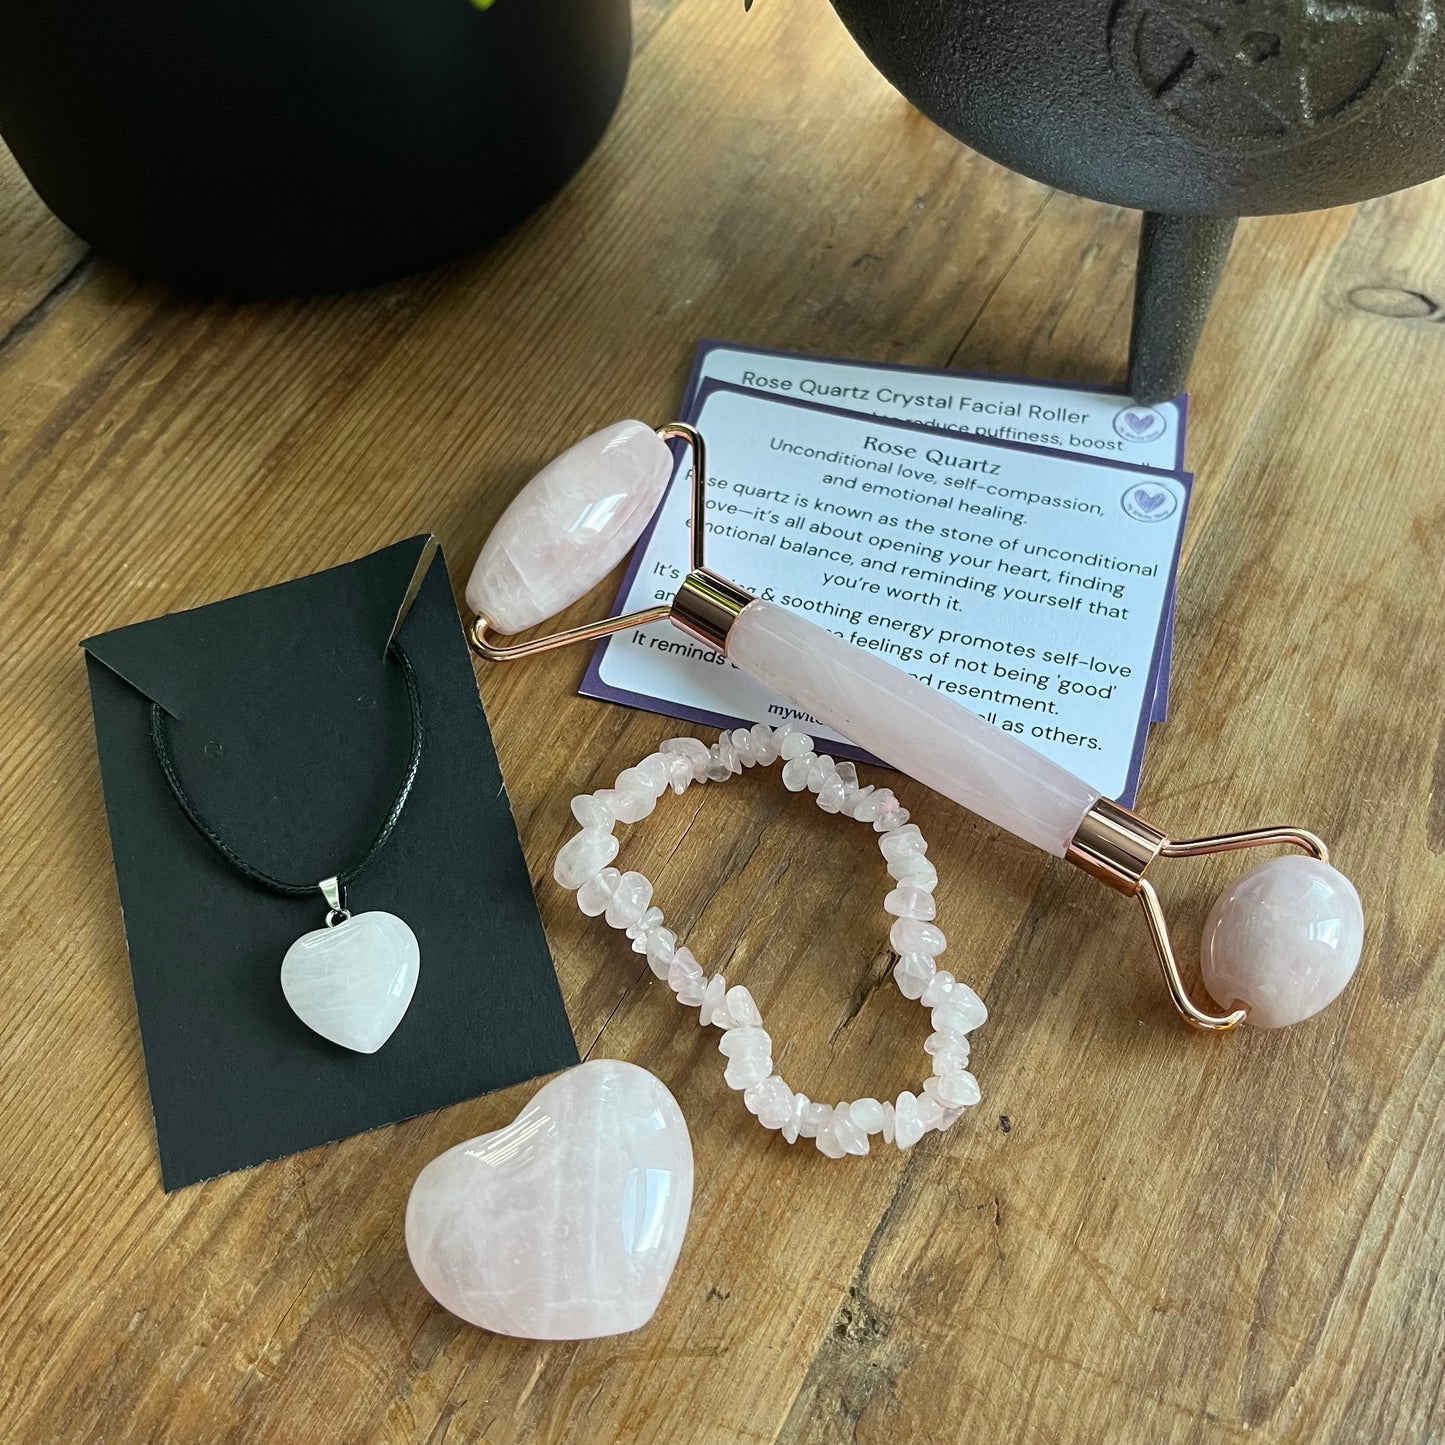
point(1090, 420)
point(1030, 585)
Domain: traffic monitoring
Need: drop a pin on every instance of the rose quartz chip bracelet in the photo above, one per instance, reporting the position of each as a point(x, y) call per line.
point(625, 899)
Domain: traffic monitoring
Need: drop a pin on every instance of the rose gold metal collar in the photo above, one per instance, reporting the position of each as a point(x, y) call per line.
point(706, 606)
point(1117, 846)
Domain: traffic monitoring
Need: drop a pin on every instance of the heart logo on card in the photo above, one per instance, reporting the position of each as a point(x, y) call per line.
point(1139, 424)
point(1149, 504)
point(353, 982)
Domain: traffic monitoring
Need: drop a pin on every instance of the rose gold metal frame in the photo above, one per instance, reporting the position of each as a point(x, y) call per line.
point(1116, 846)
point(588, 632)
point(704, 607)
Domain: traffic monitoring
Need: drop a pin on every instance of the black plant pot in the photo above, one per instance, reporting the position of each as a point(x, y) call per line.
point(279, 146)
point(1195, 111)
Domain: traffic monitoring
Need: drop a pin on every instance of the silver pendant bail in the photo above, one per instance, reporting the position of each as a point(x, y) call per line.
point(336, 911)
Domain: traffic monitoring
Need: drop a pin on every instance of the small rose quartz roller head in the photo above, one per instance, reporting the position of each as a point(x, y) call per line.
point(1278, 945)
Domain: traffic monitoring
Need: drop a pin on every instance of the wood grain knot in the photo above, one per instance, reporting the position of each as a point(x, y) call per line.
point(1397, 303)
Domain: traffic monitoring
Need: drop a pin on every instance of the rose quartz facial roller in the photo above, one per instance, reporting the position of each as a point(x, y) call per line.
point(1279, 944)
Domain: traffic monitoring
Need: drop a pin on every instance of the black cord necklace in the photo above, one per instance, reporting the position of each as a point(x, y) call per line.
point(353, 980)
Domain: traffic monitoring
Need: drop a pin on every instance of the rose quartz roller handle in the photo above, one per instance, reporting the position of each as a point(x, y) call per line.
point(909, 725)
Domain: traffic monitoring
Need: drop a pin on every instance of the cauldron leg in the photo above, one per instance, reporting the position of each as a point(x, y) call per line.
point(1180, 261)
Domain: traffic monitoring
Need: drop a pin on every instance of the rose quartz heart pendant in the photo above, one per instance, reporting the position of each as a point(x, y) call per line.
point(565, 1224)
point(353, 981)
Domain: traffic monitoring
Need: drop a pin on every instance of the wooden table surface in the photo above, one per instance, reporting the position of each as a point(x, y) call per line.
point(1142, 1234)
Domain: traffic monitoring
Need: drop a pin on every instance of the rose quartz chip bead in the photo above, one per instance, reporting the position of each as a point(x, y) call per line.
point(569, 526)
point(837, 1130)
point(595, 894)
point(585, 857)
point(685, 978)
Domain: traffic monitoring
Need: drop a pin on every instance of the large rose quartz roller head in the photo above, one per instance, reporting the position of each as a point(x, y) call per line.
point(1283, 941)
point(1280, 944)
point(567, 529)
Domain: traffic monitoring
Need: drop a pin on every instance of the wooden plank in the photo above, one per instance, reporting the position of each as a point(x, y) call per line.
point(39, 258)
point(1172, 1238)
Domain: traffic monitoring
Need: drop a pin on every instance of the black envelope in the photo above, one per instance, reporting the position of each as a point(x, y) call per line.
point(290, 728)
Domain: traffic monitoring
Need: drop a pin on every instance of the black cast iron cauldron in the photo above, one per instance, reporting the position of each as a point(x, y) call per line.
point(1195, 111)
point(271, 146)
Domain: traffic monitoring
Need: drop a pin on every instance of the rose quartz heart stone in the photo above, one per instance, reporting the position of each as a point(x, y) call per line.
point(569, 526)
point(565, 1224)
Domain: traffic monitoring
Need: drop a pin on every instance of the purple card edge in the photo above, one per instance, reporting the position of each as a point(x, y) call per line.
point(708, 344)
point(712, 385)
point(1166, 627)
